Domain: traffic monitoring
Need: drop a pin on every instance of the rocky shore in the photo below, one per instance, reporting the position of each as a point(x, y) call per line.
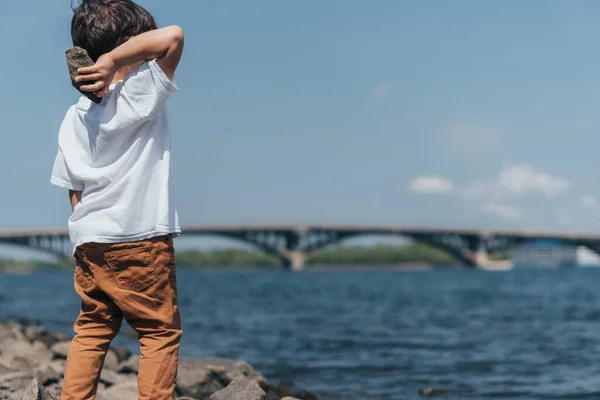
point(32, 363)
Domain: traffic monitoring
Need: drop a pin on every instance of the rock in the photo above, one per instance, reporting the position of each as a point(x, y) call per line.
point(61, 349)
point(35, 391)
point(234, 369)
point(121, 353)
point(304, 395)
point(431, 392)
point(240, 390)
point(122, 391)
point(59, 365)
point(53, 338)
point(197, 381)
point(24, 353)
point(55, 389)
point(13, 384)
point(289, 398)
point(79, 58)
point(34, 332)
point(48, 374)
point(11, 330)
point(130, 365)
point(110, 377)
point(111, 361)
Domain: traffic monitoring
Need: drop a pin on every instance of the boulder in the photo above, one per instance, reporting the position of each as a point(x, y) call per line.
point(35, 391)
point(111, 361)
point(130, 365)
point(55, 389)
point(53, 338)
point(121, 353)
point(48, 374)
point(34, 332)
point(289, 398)
point(13, 384)
point(61, 349)
point(110, 377)
point(233, 369)
point(24, 354)
point(304, 395)
point(196, 380)
point(240, 390)
point(11, 330)
point(121, 391)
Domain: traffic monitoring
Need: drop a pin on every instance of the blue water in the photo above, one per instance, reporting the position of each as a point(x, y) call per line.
point(378, 334)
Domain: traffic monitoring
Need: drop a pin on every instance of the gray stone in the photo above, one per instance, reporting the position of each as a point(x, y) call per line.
point(61, 349)
point(34, 332)
point(59, 366)
point(122, 391)
point(110, 377)
point(12, 363)
point(48, 374)
point(11, 330)
point(79, 58)
point(55, 389)
point(121, 353)
point(52, 338)
point(24, 353)
point(130, 365)
point(304, 395)
point(240, 390)
point(35, 391)
point(234, 369)
point(197, 381)
point(199, 378)
point(111, 361)
point(13, 384)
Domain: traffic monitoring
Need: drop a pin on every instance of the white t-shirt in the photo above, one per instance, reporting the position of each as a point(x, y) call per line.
point(118, 153)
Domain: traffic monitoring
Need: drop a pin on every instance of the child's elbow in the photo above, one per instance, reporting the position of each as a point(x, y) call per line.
point(176, 34)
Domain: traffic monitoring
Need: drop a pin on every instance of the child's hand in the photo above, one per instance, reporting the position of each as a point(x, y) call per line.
point(102, 73)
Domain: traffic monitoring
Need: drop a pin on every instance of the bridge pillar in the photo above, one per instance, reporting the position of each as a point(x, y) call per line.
point(294, 260)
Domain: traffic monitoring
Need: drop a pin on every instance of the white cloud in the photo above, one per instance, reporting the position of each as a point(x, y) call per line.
point(524, 179)
point(503, 211)
point(517, 180)
point(588, 201)
point(431, 185)
point(381, 91)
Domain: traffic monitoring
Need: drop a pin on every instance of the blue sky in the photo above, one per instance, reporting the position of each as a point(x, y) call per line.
point(419, 112)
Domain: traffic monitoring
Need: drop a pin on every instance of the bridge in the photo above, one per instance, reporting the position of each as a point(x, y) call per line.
point(293, 244)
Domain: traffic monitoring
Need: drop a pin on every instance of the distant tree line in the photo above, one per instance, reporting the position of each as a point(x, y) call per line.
point(416, 253)
point(412, 253)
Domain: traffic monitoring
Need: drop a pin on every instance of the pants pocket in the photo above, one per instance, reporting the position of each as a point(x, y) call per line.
point(83, 276)
point(132, 268)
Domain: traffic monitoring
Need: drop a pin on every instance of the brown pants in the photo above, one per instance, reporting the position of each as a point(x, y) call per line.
point(135, 281)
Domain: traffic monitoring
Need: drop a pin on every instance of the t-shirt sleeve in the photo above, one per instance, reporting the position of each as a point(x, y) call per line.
point(61, 176)
point(148, 89)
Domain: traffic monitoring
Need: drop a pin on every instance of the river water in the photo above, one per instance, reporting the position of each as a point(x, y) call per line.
point(378, 334)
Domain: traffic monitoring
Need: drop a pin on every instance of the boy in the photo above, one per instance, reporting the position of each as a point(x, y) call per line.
point(114, 157)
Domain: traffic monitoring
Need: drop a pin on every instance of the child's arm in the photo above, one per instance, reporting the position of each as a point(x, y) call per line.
point(165, 45)
point(75, 197)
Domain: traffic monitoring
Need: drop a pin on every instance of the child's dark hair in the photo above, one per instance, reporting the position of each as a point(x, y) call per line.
point(99, 26)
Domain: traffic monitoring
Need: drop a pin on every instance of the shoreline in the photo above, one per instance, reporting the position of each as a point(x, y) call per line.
point(32, 362)
point(32, 270)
